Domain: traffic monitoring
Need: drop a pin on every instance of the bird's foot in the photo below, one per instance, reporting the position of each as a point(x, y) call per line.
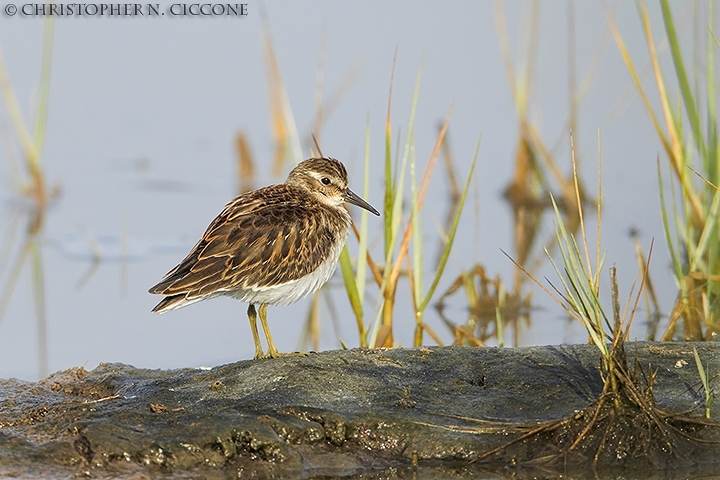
point(274, 353)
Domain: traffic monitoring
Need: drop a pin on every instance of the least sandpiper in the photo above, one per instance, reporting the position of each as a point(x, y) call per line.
point(270, 246)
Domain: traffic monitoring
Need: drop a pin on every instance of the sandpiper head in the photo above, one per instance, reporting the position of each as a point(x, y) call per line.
point(326, 179)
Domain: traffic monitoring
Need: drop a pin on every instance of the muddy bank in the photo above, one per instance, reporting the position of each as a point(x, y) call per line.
point(339, 413)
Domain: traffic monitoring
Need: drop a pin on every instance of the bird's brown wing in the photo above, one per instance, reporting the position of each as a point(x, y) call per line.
point(263, 238)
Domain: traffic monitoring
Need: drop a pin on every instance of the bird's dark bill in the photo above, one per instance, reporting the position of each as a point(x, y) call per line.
point(351, 197)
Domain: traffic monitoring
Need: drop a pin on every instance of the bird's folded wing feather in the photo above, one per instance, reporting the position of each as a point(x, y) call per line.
point(261, 239)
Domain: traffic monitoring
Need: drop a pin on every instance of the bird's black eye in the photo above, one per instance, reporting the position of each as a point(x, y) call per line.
point(325, 181)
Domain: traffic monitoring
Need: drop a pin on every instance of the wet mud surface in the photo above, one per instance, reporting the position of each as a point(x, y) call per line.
point(403, 413)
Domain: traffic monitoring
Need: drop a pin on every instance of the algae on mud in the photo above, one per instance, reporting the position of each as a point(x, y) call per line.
point(332, 413)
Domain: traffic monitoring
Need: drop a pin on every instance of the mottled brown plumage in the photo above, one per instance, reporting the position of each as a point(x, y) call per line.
point(270, 246)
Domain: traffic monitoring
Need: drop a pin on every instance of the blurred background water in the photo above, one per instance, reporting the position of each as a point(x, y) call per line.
point(140, 141)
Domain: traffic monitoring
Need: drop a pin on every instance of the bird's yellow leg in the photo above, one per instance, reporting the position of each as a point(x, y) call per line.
point(252, 315)
point(272, 351)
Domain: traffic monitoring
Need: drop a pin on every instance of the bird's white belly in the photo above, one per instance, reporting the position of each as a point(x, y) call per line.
point(295, 290)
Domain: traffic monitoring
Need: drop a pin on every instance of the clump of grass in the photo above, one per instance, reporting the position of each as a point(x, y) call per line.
point(402, 246)
point(690, 216)
point(580, 279)
point(623, 424)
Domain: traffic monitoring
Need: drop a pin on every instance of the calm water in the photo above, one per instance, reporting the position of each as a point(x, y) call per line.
point(140, 140)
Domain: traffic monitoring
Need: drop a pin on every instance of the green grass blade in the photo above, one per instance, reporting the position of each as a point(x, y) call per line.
point(394, 204)
point(399, 181)
point(13, 106)
point(701, 369)
point(361, 272)
point(389, 182)
point(377, 313)
point(417, 246)
point(671, 243)
point(41, 117)
point(708, 236)
point(711, 165)
point(572, 258)
point(703, 374)
point(632, 70)
point(453, 231)
point(40, 310)
point(569, 295)
point(580, 280)
point(499, 325)
point(348, 276)
point(685, 90)
point(580, 290)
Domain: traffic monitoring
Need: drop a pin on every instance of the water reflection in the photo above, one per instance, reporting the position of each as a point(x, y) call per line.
point(29, 253)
